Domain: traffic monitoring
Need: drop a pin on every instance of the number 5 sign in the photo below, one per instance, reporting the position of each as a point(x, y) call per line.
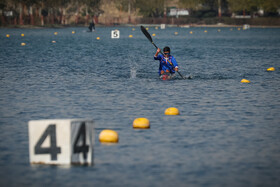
point(61, 141)
point(115, 34)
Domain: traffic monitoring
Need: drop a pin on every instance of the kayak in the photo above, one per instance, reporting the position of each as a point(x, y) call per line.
point(167, 76)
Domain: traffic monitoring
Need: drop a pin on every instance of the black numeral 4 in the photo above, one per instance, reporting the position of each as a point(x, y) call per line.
point(53, 150)
point(81, 136)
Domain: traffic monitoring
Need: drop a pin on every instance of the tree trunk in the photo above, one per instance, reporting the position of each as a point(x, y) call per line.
point(220, 8)
point(77, 15)
point(31, 15)
point(41, 17)
point(87, 16)
point(63, 16)
point(2, 17)
point(20, 14)
point(95, 19)
point(51, 15)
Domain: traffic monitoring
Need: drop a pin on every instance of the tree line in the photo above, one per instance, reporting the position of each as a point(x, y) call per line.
point(210, 8)
point(39, 12)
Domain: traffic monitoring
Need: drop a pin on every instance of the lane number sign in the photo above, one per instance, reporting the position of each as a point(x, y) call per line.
point(61, 141)
point(115, 34)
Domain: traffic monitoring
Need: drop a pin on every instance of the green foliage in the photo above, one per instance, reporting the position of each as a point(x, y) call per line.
point(270, 5)
point(233, 5)
point(152, 8)
point(190, 4)
point(3, 4)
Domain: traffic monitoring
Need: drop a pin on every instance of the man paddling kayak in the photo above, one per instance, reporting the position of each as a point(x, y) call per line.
point(167, 63)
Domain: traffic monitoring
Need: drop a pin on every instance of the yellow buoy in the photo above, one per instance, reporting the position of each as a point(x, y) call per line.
point(73, 32)
point(55, 33)
point(98, 38)
point(205, 31)
point(172, 111)
point(108, 136)
point(147, 28)
point(7, 35)
point(156, 28)
point(53, 41)
point(133, 29)
point(130, 36)
point(141, 123)
point(176, 33)
point(23, 44)
point(22, 35)
point(245, 81)
point(238, 29)
point(154, 34)
point(270, 69)
point(191, 32)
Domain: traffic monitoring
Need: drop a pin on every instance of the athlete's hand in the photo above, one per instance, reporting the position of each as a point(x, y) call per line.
point(158, 50)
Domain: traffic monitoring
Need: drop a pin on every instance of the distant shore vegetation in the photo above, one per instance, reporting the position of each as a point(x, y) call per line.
point(114, 12)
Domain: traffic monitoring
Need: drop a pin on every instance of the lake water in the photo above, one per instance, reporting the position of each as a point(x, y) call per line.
point(228, 133)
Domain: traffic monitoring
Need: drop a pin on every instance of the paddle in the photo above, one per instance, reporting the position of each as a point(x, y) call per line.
point(145, 32)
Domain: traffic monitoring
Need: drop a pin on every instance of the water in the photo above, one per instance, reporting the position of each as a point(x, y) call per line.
point(227, 133)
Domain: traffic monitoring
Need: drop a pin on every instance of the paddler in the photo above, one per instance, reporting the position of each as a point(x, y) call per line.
point(167, 63)
point(91, 26)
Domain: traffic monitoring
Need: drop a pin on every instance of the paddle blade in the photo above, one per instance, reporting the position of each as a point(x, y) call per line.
point(145, 32)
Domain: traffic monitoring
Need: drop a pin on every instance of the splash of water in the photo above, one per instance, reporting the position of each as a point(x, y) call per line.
point(132, 73)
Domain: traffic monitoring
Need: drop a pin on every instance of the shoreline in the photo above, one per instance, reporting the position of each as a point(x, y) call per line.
point(219, 25)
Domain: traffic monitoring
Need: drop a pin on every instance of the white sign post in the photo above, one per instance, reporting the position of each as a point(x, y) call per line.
point(115, 34)
point(61, 141)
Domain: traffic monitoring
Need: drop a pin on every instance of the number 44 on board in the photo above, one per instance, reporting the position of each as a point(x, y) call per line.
point(58, 142)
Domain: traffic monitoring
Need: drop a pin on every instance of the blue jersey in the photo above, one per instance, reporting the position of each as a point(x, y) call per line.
point(165, 65)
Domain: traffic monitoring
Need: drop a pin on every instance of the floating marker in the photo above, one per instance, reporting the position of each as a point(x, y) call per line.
point(108, 136)
point(55, 33)
point(141, 123)
point(205, 31)
point(270, 69)
point(133, 29)
point(115, 33)
point(147, 28)
point(98, 38)
point(156, 28)
point(53, 41)
point(172, 111)
point(191, 32)
point(130, 36)
point(23, 44)
point(246, 26)
point(219, 30)
point(238, 29)
point(245, 81)
point(7, 35)
point(176, 33)
point(22, 35)
point(73, 32)
point(154, 34)
point(61, 141)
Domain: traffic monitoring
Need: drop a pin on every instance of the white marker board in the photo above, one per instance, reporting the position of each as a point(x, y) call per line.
point(115, 34)
point(61, 141)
